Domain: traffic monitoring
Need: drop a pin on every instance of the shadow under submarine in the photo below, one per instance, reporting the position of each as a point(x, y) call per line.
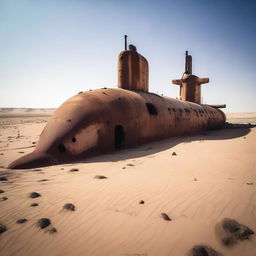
point(104, 120)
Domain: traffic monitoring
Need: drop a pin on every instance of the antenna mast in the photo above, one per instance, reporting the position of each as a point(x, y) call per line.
point(125, 42)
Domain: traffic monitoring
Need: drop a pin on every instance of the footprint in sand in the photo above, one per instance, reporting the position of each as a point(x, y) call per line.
point(202, 250)
point(34, 195)
point(230, 232)
point(3, 228)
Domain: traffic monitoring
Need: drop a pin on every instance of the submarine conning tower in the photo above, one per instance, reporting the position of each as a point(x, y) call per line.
point(190, 85)
point(132, 69)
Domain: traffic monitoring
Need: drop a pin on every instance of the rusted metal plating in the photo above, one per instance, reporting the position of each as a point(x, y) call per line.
point(105, 120)
point(190, 85)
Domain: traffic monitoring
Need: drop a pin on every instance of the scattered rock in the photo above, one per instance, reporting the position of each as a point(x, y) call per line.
point(20, 221)
point(52, 230)
point(230, 232)
point(43, 180)
point(34, 204)
point(69, 206)
point(1, 191)
point(3, 228)
point(33, 142)
point(165, 216)
point(174, 154)
point(34, 195)
point(62, 168)
point(195, 179)
point(249, 183)
point(21, 152)
point(74, 170)
point(4, 198)
point(43, 223)
point(141, 202)
point(202, 250)
point(3, 178)
point(1, 154)
point(100, 177)
point(124, 167)
point(130, 164)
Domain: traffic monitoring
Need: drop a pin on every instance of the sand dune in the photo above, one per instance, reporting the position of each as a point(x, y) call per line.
point(211, 177)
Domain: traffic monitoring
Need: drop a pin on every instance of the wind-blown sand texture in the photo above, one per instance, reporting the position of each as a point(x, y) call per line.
point(119, 204)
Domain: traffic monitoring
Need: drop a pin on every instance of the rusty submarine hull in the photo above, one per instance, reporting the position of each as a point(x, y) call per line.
point(103, 120)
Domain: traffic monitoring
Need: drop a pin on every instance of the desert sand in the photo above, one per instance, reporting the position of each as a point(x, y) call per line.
point(125, 209)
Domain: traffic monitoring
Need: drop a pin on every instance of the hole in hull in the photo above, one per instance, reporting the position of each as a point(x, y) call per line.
point(62, 148)
point(119, 137)
point(151, 109)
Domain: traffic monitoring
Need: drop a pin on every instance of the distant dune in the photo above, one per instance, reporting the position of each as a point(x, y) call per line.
point(16, 112)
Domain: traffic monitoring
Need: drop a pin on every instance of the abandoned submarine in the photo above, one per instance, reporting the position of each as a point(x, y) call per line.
point(104, 120)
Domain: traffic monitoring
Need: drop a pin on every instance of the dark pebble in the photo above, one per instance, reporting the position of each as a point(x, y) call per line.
point(33, 142)
point(130, 164)
point(34, 204)
point(174, 154)
point(100, 177)
point(3, 179)
point(234, 232)
point(165, 216)
point(74, 170)
point(124, 167)
point(20, 221)
point(141, 202)
point(4, 198)
point(69, 206)
point(34, 195)
point(3, 228)
point(249, 183)
point(43, 180)
point(43, 223)
point(201, 250)
point(1, 191)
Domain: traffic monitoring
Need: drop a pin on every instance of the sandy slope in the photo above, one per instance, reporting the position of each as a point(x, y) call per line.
point(204, 183)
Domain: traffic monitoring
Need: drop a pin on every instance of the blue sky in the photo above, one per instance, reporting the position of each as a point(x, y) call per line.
point(51, 50)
